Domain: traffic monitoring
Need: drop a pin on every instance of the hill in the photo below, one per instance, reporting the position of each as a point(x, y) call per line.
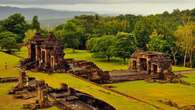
point(46, 16)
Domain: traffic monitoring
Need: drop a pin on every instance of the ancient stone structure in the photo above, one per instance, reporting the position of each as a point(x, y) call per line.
point(145, 65)
point(67, 98)
point(22, 80)
point(87, 70)
point(156, 64)
point(44, 96)
point(45, 54)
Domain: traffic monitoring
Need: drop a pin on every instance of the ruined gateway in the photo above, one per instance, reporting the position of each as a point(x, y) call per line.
point(145, 65)
point(46, 54)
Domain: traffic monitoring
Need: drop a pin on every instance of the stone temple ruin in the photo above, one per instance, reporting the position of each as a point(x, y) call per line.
point(41, 95)
point(46, 54)
point(144, 65)
point(156, 64)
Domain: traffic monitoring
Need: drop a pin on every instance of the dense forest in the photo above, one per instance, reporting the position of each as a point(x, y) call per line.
point(113, 36)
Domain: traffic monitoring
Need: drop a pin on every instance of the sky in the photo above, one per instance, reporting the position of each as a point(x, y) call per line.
point(137, 7)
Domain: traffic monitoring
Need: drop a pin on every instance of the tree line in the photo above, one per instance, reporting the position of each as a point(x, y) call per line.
point(114, 36)
point(119, 36)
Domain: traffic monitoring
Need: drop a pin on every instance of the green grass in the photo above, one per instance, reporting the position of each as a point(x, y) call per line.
point(149, 92)
point(23, 52)
point(11, 62)
point(118, 101)
point(180, 68)
point(190, 78)
point(114, 64)
point(182, 95)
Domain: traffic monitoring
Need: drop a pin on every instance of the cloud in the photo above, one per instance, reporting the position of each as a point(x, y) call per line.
point(91, 1)
point(143, 7)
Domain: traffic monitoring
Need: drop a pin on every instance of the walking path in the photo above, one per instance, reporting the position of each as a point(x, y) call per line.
point(185, 72)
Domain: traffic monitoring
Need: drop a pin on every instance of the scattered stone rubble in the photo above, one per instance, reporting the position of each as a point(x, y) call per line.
point(44, 96)
point(87, 70)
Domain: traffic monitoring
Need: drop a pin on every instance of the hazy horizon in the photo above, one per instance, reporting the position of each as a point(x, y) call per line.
point(137, 7)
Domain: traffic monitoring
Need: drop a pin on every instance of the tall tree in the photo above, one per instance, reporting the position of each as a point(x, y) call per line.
point(104, 46)
point(158, 43)
point(35, 24)
point(8, 42)
point(143, 29)
point(125, 45)
point(185, 37)
point(16, 23)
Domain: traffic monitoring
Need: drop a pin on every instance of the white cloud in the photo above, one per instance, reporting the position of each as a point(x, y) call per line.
point(91, 1)
point(143, 7)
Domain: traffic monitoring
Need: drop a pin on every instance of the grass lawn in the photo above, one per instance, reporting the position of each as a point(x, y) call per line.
point(180, 94)
point(114, 64)
point(190, 78)
point(180, 68)
point(118, 101)
point(149, 92)
point(11, 62)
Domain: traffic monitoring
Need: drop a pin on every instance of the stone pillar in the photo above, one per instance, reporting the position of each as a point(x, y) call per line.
point(148, 65)
point(29, 51)
point(46, 57)
point(38, 53)
point(22, 80)
point(158, 69)
point(138, 64)
point(52, 62)
point(42, 94)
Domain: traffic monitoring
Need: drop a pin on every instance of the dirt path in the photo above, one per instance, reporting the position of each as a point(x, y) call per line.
point(184, 72)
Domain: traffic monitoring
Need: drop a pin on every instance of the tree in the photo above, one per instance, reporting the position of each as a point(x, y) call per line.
point(185, 37)
point(125, 45)
point(157, 43)
point(8, 42)
point(6, 34)
point(29, 35)
point(104, 46)
point(70, 34)
point(35, 24)
point(143, 29)
point(71, 41)
point(90, 43)
point(16, 24)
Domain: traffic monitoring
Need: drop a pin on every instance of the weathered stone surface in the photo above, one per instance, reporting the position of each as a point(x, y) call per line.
point(145, 65)
point(45, 54)
point(44, 96)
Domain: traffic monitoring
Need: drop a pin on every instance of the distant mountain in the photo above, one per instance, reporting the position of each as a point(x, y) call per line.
point(45, 15)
